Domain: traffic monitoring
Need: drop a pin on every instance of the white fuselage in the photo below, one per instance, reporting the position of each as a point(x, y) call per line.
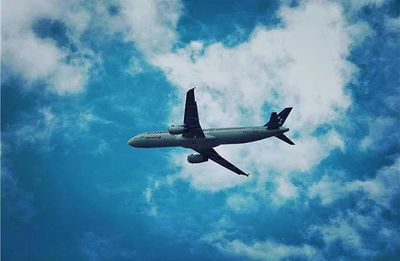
point(213, 137)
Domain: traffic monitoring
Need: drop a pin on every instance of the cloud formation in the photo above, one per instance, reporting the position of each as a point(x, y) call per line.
point(303, 63)
point(95, 247)
point(151, 25)
point(291, 207)
point(374, 213)
point(40, 127)
point(268, 249)
point(41, 59)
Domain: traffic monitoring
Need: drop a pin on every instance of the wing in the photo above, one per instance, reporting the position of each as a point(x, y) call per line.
point(214, 156)
point(191, 118)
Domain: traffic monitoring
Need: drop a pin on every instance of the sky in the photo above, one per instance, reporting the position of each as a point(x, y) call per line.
point(79, 78)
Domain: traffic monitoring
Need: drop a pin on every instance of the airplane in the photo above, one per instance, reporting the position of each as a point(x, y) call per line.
point(191, 135)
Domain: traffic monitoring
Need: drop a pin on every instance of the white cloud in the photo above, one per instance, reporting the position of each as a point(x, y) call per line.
point(148, 194)
point(301, 64)
point(384, 187)
point(380, 189)
point(285, 189)
point(150, 24)
point(259, 250)
point(382, 133)
point(340, 229)
point(326, 190)
point(392, 23)
point(95, 247)
point(40, 127)
point(354, 6)
point(374, 197)
point(359, 31)
point(267, 250)
point(86, 118)
point(40, 59)
point(223, 237)
point(351, 228)
point(241, 203)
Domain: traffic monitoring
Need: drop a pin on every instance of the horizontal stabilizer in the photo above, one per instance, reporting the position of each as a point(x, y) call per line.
point(282, 137)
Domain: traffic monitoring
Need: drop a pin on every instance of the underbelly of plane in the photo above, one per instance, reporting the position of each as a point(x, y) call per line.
point(179, 141)
point(242, 138)
point(207, 142)
point(238, 140)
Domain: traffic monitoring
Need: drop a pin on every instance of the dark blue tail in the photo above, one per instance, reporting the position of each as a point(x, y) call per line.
point(277, 120)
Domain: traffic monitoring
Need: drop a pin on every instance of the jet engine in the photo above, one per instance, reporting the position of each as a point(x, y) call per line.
point(196, 158)
point(176, 129)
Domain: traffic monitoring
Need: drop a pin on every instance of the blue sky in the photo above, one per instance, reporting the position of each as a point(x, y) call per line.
point(79, 78)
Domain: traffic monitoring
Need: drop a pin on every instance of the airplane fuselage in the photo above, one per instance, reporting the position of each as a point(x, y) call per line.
point(213, 137)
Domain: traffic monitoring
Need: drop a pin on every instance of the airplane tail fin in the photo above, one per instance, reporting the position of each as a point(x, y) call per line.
point(273, 122)
point(277, 120)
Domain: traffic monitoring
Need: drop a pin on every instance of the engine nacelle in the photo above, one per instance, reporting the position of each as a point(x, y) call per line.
point(176, 129)
point(196, 158)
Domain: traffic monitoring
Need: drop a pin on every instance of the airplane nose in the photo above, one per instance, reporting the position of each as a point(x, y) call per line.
point(131, 142)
